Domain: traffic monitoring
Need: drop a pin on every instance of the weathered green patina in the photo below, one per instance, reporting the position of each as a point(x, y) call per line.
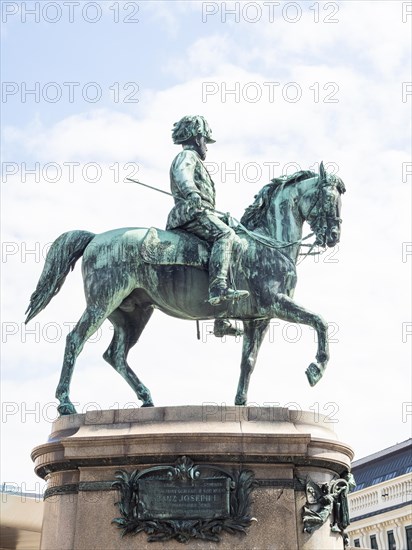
point(194, 211)
point(122, 285)
point(328, 501)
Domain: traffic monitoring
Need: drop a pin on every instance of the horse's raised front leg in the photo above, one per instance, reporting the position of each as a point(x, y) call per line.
point(254, 332)
point(288, 310)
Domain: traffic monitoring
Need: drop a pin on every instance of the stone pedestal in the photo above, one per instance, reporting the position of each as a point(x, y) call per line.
point(280, 446)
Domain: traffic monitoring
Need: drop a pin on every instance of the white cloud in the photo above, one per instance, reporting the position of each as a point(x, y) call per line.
point(203, 57)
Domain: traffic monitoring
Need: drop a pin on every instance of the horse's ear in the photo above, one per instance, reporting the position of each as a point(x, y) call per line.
point(322, 172)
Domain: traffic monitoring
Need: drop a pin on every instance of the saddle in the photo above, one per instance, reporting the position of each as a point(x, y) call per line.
point(174, 247)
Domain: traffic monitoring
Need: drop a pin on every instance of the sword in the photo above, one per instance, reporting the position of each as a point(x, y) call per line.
point(170, 194)
point(150, 187)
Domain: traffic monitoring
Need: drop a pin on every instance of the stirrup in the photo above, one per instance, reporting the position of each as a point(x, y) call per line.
point(223, 328)
point(225, 294)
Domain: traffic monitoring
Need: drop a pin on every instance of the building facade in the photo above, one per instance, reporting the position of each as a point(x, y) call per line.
point(381, 504)
point(21, 516)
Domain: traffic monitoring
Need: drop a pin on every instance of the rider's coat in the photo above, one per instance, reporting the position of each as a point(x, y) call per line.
point(189, 175)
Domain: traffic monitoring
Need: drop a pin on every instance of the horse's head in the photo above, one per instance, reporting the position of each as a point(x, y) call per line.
point(321, 208)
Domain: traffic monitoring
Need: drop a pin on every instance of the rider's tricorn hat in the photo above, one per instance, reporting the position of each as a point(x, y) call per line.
point(189, 127)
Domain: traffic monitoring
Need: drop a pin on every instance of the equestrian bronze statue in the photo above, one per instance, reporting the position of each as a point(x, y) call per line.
point(129, 272)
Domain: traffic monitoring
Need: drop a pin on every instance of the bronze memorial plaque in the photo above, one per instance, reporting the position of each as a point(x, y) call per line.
point(182, 501)
point(207, 498)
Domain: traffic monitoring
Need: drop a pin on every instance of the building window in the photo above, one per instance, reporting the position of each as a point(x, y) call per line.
point(408, 537)
point(374, 543)
point(356, 543)
point(391, 541)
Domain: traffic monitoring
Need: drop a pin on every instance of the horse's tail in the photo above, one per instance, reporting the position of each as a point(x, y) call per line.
point(61, 258)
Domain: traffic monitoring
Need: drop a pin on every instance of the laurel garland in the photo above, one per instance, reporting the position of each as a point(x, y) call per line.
point(183, 530)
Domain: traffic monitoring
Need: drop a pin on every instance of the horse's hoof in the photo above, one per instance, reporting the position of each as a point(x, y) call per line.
point(66, 408)
point(148, 404)
point(240, 401)
point(313, 373)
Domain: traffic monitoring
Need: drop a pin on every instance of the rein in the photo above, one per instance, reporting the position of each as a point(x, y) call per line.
point(267, 241)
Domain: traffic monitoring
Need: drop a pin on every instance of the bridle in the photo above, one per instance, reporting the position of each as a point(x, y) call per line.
point(317, 224)
point(323, 218)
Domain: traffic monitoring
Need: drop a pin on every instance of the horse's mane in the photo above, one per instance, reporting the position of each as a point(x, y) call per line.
point(253, 213)
point(337, 181)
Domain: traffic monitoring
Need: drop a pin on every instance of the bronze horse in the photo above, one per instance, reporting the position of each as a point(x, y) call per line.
point(122, 286)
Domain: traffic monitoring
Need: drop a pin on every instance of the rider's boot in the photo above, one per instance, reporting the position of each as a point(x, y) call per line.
point(220, 258)
point(223, 327)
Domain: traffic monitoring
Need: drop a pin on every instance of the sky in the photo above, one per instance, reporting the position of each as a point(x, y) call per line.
point(90, 92)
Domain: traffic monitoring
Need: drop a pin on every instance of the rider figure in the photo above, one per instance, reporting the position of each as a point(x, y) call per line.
point(194, 194)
